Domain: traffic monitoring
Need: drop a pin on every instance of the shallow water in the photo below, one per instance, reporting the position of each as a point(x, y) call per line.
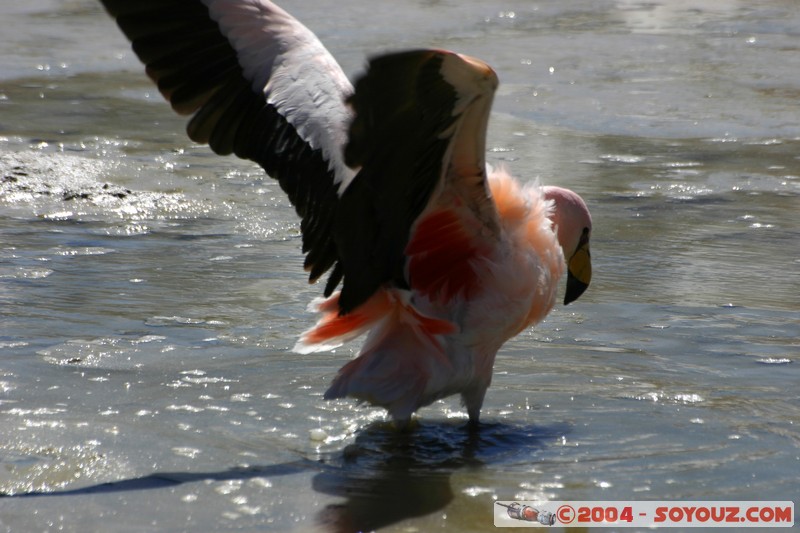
point(150, 291)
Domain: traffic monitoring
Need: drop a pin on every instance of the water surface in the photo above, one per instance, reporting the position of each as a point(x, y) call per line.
point(150, 291)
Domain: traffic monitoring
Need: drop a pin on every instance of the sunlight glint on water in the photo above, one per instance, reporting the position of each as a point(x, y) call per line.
point(150, 291)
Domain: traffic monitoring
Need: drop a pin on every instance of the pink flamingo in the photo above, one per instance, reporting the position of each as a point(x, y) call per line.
point(441, 261)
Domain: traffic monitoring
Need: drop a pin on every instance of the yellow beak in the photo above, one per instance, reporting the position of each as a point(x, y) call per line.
point(579, 273)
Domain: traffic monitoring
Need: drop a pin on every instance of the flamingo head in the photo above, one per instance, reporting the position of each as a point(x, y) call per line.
point(573, 226)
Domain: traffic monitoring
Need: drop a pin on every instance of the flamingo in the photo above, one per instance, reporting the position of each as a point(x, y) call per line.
point(440, 259)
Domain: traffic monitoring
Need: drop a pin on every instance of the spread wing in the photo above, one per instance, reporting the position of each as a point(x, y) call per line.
point(260, 85)
point(418, 137)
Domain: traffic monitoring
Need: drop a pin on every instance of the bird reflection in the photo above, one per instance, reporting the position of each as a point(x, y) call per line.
point(387, 476)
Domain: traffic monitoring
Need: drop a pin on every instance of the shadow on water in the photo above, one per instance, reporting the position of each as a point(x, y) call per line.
point(160, 480)
point(385, 476)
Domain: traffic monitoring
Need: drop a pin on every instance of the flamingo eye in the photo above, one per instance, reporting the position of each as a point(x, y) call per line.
point(584, 237)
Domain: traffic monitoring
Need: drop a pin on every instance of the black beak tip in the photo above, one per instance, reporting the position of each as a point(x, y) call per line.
point(575, 288)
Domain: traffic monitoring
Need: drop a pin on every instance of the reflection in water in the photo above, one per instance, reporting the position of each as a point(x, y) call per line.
point(387, 476)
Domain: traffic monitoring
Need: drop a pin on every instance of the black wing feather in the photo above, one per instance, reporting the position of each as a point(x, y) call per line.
point(197, 70)
point(402, 108)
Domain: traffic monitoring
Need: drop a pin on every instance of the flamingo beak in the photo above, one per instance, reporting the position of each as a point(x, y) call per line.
point(579, 273)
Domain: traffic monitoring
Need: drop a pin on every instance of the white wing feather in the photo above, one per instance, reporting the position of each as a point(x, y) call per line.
point(288, 63)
